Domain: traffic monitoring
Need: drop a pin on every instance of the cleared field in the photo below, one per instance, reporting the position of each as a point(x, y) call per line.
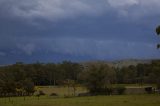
point(114, 100)
point(61, 90)
point(123, 100)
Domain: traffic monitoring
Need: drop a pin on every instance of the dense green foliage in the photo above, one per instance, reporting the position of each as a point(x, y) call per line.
point(98, 78)
point(20, 79)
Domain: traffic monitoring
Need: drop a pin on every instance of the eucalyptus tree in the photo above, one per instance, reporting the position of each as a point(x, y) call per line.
point(158, 33)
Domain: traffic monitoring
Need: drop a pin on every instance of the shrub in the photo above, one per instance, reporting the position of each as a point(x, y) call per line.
point(102, 91)
point(84, 94)
point(109, 90)
point(53, 94)
point(148, 89)
point(158, 86)
point(41, 93)
point(120, 90)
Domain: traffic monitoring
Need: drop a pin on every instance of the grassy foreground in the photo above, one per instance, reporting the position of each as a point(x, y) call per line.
point(123, 100)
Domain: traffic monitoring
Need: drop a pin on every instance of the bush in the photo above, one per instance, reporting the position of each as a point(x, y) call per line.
point(102, 91)
point(84, 94)
point(158, 86)
point(53, 94)
point(109, 91)
point(41, 93)
point(120, 90)
point(148, 90)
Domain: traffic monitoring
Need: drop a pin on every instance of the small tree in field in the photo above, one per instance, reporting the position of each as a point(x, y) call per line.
point(2, 91)
point(28, 87)
point(25, 87)
point(71, 84)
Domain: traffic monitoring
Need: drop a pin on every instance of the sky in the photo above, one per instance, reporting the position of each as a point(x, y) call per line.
point(78, 30)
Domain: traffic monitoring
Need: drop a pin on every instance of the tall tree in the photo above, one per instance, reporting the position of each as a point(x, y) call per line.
point(158, 30)
point(98, 77)
point(158, 33)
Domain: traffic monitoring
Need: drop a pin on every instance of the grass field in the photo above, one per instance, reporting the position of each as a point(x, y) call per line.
point(114, 100)
point(123, 100)
point(60, 90)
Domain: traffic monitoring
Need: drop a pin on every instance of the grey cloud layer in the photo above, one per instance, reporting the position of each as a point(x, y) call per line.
point(98, 49)
point(87, 28)
point(59, 9)
point(49, 9)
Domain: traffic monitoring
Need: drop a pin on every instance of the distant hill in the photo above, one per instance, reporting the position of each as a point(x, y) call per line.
point(134, 62)
point(119, 63)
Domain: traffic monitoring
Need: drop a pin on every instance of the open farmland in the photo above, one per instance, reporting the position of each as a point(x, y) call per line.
point(61, 91)
point(123, 100)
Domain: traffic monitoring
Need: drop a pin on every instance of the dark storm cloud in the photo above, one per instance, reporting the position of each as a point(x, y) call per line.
point(43, 30)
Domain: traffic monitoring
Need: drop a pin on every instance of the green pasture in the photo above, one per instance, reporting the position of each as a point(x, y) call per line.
point(122, 100)
point(61, 90)
point(64, 90)
point(62, 100)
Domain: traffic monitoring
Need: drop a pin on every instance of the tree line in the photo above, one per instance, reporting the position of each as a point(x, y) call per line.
point(20, 79)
